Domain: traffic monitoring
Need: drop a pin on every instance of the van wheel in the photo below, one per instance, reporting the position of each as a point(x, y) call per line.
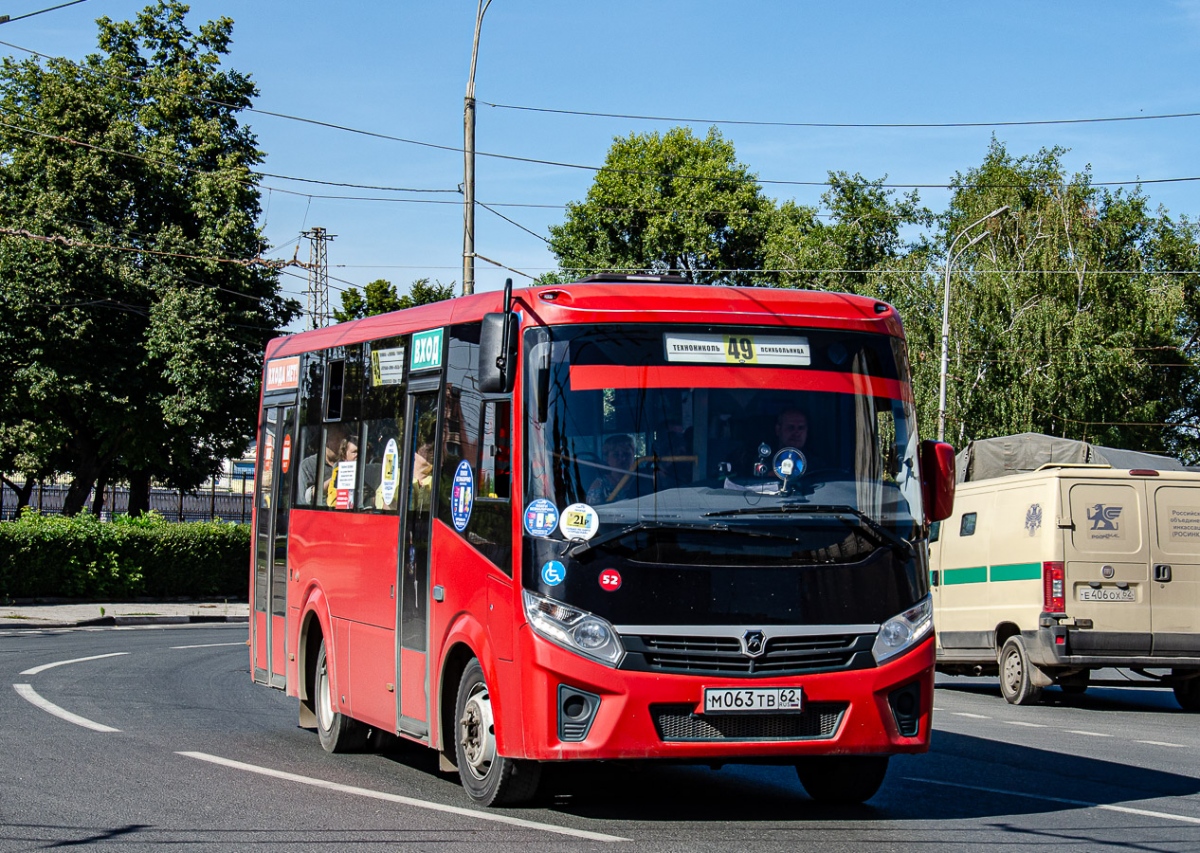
point(489, 778)
point(337, 732)
point(1016, 683)
point(1187, 694)
point(842, 779)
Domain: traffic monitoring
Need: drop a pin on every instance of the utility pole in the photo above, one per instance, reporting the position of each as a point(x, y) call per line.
point(318, 276)
point(468, 277)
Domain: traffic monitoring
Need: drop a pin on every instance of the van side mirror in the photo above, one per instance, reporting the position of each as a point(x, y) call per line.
point(937, 480)
point(497, 353)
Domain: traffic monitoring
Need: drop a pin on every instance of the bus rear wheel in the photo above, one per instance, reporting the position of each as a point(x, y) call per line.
point(488, 777)
point(842, 779)
point(337, 732)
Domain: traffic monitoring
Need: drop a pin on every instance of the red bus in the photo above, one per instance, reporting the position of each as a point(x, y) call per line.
point(604, 520)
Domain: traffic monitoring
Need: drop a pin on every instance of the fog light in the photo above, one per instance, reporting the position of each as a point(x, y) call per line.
point(576, 711)
point(906, 709)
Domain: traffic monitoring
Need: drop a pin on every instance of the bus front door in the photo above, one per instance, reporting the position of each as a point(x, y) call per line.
point(420, 442)
point(272, 501)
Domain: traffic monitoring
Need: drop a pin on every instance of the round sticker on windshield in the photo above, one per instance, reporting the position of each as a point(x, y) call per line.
point(391, 472)
point(789, 463)
point(579, 521)
point(462, 495)
point(541, 517)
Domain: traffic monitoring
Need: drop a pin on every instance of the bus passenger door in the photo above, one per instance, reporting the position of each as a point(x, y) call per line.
point(272, 501)
point(415, 531)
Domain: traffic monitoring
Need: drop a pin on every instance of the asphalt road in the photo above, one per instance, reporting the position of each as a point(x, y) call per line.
point(172, 745)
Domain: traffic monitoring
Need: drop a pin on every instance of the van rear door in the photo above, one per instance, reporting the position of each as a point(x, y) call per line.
point(1107, 564)
point(1175, 571)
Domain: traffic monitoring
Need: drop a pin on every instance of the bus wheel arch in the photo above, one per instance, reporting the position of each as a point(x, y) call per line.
point(453, 664)
point(309, 641)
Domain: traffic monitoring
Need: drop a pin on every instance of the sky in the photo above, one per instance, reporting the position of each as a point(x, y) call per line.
point(399, 69)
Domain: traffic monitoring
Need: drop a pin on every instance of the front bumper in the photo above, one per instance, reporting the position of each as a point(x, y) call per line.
point(647, 715)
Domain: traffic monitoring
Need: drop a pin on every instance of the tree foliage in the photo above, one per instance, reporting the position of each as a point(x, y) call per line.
point(667, 204)
point(133, 317)
point(380, 297)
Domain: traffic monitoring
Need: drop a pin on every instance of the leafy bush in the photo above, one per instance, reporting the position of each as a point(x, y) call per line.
point(51, 556)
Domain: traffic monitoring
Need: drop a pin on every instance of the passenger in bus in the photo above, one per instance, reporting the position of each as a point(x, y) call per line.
point(616, 483)
point(347, 452)
point(310, 466)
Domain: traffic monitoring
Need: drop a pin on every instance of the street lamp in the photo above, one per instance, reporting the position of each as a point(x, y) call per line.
point(951, 257)
point(468, 282)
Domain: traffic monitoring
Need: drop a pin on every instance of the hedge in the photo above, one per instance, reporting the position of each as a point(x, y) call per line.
point(53, 556)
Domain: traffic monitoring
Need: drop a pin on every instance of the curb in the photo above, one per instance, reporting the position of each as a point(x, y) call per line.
point(122, 621)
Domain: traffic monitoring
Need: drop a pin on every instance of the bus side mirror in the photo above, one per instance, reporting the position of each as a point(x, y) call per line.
point(937, 479)
point(497, 355)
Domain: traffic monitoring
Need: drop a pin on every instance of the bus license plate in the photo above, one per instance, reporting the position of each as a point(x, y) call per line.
point(1106, 593)
point(732, 700)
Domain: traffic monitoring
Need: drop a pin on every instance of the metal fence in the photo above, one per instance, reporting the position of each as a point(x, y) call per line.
point(202, 505)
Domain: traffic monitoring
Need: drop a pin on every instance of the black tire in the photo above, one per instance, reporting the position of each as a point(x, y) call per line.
point(1187, 694)
point(337, 732)
point(489, 778)
point(1016, 683)
point(842, 779)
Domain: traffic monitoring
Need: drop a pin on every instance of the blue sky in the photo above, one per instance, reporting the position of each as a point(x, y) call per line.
point(400, 69)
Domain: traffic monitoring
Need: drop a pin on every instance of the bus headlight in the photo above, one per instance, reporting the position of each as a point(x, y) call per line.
point(901, 633)
point(574, 629)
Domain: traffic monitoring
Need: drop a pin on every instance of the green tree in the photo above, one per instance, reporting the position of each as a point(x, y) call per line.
point(1073, 316)
point(667, 204)
point(133, 312)
point(380, 297)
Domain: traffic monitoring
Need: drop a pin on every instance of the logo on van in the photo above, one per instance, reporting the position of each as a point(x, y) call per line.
point(1104, 517)
point(1033, 519)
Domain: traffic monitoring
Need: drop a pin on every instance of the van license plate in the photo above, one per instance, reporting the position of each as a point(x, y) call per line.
point(1106, 593)
point(732, 700)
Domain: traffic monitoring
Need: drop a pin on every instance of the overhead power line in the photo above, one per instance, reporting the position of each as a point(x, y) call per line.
point(832, 124)
point(5, 19)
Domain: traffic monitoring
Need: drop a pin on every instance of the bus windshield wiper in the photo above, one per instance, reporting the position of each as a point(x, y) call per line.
point(882, 534)
point(580, 546)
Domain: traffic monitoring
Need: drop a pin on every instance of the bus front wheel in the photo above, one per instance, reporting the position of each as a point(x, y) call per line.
point(489, 778)
point(842, 779)
point(337, 732)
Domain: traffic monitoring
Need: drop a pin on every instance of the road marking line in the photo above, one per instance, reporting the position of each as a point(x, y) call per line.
point(1044, 799)
point(396, 798)
point(26, 692)
point(210, 645)
point(972, 716)
point(1027, 725)
point(1086, 734)
point(35, 670)
point(1163, 743)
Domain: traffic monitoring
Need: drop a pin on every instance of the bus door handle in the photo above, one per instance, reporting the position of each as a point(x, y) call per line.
point(439, 593)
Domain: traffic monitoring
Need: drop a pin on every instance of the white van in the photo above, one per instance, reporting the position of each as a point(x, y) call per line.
point(1044, 577)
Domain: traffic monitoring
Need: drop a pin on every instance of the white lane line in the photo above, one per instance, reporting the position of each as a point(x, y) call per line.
point(1027, 725)
point(1044, 799)
point(210, 645)
point(1086, 734)
point(972, 716)
point(1163, 743)
point(35, 670)
point(26, 692)
point(396, 798)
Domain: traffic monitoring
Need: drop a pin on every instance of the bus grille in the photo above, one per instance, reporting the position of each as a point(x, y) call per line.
point(798, 655)
point(818, 721)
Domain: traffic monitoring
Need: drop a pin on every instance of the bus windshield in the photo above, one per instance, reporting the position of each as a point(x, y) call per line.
point(802, 440)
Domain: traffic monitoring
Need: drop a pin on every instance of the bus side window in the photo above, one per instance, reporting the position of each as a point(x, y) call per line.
point(311, 411)
point(495, 469)
point(383, 426)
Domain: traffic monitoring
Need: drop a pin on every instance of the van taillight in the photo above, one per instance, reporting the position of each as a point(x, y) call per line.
point(1053, 587)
